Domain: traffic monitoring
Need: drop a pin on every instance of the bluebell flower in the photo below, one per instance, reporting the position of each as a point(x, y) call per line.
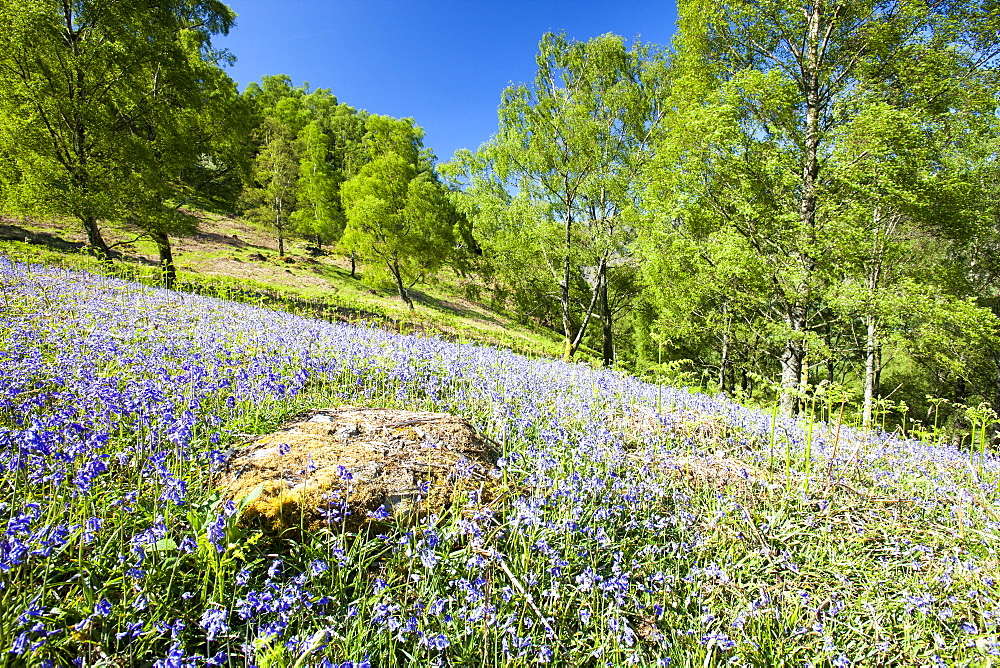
point(187, 545)
point(20, 644)
point(215, 531)
point(132, 630)
point(219, 659)
point(213, 621)
point(718, 639)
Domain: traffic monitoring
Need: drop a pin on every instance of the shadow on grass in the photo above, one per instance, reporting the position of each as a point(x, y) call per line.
point(9, 231)
point(451, 307)
point(223, 240)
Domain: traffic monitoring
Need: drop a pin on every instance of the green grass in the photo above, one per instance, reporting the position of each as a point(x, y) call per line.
point(613, 538)
point(315, 286)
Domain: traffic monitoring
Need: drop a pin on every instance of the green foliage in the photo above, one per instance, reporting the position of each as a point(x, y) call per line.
point(399, 217)
point(272, 198)
point(88, 90)
point(553, 193)
point(308, 145)
point(803, 197)
point(319, 215)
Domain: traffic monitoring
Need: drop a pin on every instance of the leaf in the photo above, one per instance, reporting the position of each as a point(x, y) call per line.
point(164, 545)
point(248, 498)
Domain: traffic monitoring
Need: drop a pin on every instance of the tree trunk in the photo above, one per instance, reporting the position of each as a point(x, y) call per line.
point(995, 402)
point(794, 353)
point(572, 345)
point(878, 367)
point(280, 227)
point(167, 270)
point(811, 90)
point(564, 288)
point(608, 347)
point(353, 264)
point(95, 241)
point(871, 372)
point(961, 391)
point(791, 364)
point(394, 268)
point(791, 372)
point(724, 354)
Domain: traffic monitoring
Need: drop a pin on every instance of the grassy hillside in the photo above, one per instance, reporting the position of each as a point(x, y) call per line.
point(238, 259)
point(629, 524)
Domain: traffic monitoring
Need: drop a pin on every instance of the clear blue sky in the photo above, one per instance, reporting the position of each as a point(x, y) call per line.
point(443, 62)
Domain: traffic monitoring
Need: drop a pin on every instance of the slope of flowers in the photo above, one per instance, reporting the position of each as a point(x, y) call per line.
point(615, 538)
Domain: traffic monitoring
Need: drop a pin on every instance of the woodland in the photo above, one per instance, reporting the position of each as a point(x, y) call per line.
point(791, 201)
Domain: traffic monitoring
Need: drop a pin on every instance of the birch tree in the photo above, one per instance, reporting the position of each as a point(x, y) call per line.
point(762, 97)
point(569, 148)
point(399, 217)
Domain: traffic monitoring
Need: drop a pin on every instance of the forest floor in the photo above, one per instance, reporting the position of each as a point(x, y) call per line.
point(229, 254)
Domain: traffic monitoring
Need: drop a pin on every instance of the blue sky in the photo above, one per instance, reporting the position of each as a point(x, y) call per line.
point(443, 62)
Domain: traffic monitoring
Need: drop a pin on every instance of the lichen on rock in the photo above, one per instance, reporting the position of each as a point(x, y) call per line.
point(342, 466)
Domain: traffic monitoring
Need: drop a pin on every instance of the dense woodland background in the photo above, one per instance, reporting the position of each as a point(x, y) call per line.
point(794, 202)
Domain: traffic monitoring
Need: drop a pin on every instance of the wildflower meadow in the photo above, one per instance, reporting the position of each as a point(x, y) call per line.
point(629, 523)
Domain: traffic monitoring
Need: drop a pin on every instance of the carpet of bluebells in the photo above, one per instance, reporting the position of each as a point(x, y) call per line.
point(620, 533)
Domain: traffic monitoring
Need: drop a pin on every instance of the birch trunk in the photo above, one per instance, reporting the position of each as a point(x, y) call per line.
point(871, 371)
point(791, 363)
point(564, 288)
point(394, 268)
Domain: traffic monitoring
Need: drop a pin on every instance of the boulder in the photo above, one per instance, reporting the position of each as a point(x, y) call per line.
point(343, 467)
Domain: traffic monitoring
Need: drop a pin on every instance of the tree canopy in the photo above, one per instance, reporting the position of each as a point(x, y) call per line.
point(799, 142)
point(398, 214)
point(562, 169)
point(86, 90)
point(791, 197)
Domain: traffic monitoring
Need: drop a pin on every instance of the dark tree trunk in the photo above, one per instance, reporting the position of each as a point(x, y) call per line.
point(394, 268)
point(724, 354)
point(871, 371)
point(279, 225)
point(995, 403)
point(167, 270)
point(608, 347)
point(95, 241)
point(794, 354)
point(354, 264)
point(564, 288)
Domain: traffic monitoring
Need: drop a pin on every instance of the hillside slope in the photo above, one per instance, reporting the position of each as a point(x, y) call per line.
point(234, 258)
point(626, 524)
